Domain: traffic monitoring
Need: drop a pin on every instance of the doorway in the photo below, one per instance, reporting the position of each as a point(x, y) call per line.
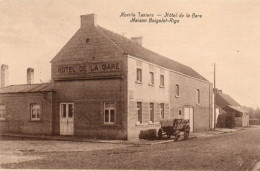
point(66, 119)
point(189, 114)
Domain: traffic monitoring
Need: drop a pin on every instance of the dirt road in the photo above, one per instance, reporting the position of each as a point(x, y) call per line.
point(231, 151)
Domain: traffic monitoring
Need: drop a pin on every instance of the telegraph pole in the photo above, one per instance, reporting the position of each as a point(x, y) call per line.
point(214, 93)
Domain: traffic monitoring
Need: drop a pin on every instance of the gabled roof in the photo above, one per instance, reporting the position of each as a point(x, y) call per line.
point(236, 108)
point(27, 88)
point(223, 100)
point(134, 49)
point(104, 43)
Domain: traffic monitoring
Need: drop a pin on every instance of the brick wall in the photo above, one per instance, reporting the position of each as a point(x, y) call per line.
point(188, 98)
point(18, 113)
point(145, 93)
point(88, 97)
point(134, 128)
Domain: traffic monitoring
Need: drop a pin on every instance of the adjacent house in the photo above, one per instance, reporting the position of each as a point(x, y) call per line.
point(104, 85)
point(229, 105)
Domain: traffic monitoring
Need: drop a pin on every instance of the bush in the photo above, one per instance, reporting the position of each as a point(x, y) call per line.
point(221, 122)
point(226, 120)
point(230, 120)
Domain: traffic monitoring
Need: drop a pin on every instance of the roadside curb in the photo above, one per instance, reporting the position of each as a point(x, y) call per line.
point(142, 142)
point(65, 139)
point(171, 140)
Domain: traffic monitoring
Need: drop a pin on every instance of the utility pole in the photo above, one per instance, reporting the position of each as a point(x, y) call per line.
point(214, 93)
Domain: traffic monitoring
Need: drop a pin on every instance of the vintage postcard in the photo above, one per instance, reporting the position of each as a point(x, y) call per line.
point(130, 85)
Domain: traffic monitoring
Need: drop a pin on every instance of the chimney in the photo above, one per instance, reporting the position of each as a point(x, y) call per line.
point(30, 76)
point(88, 20)
point(137, 40)
point(4, 75)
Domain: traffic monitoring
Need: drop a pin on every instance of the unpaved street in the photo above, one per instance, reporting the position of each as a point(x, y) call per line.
point(231, 151)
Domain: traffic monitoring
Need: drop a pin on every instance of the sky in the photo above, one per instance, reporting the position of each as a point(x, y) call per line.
point(228, 34)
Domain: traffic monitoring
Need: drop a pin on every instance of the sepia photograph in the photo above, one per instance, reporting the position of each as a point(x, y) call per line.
point(130, 85)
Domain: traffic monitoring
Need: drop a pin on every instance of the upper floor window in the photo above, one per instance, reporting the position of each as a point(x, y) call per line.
point(35, 112)
point(109, 110)
point(2, 112)
point(177, 90)
point(162, 80)
point(139, 112)
point(198, 96)
point(151, 78)
point(139, 75)
point(162, 110)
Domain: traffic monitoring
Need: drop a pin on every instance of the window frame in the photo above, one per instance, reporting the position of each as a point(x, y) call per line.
point(139, 115)
point(4, 112)
point(151, 113)
point(32, 107)
point(162, 111)
point(180, 112)
point(198, 96)
point(162, 80)
point(109, 113)
point(177, 87)
point(139, 76)
point(151, 78)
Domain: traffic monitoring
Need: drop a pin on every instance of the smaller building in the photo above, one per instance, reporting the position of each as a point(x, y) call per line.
point(241, 116)
point(228, 105)
point(28, 109)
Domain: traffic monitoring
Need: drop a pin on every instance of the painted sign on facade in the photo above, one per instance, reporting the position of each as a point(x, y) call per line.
point(85, 70)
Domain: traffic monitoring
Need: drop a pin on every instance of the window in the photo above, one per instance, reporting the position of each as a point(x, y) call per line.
point(162, 110)
point(109, 111)
point(71, 110)
point(162, 80)
point(35, 112)
point(179, 111)
point(139, 75)
point(66, 110)
point(151, 78)
point(151, 112)
point(139, 112)
point(2, 112)
point(177, 90)
point(63, 110)
point(198, 96)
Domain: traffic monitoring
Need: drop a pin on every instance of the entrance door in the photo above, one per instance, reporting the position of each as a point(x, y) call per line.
point(189, 114)
point(66, 118)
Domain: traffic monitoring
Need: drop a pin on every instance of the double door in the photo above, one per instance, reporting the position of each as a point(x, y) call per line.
point(189, 114)
point(66, 118)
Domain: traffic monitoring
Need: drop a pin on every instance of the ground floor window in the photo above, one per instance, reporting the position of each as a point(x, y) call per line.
point(109, 111)
point(2, 112)
point(35, 112)
point(152, 112)
point(139, 112)
point(162, 110)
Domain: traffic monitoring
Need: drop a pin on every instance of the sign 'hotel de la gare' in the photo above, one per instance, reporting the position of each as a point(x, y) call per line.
point(84, 70)
point(105, 85)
